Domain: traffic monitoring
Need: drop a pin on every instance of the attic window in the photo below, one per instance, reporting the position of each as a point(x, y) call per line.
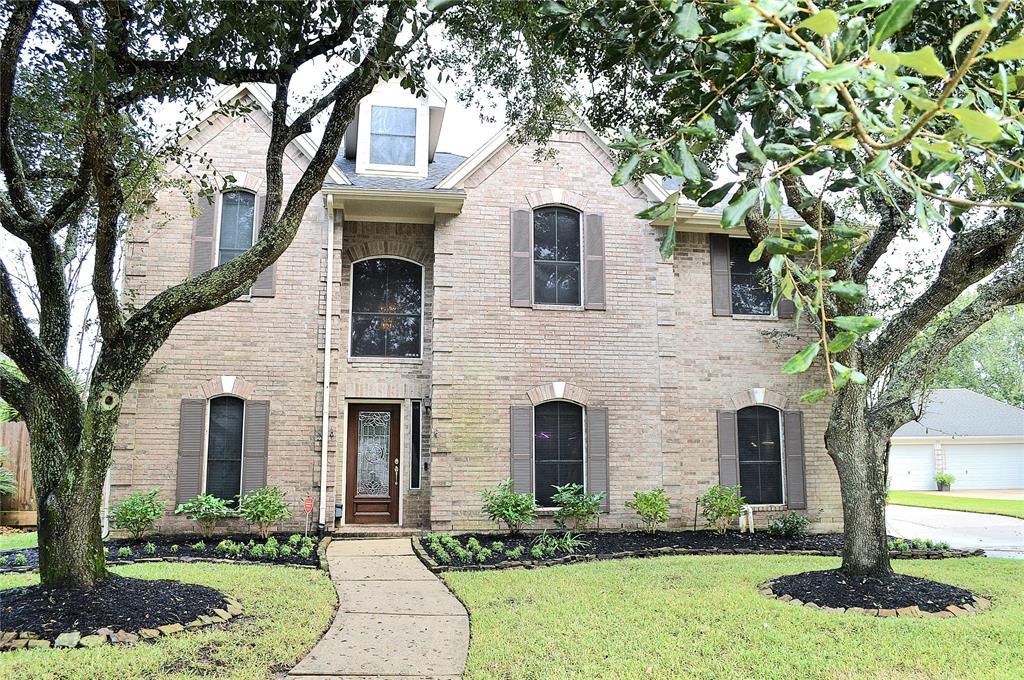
point(392, 135)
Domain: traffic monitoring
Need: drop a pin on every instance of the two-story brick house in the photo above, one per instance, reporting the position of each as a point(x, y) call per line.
point(442, 323)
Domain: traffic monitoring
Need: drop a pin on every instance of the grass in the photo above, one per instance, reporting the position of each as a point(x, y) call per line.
point(25, 539)
point(990, 506)
point(694, 616)
point(286, 611)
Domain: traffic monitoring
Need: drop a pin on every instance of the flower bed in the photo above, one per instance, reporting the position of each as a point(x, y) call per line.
point(289, 549)
point(447, 552)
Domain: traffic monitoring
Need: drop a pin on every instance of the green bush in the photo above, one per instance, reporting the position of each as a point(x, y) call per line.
point(462, 554)
point(577, 506)
point(262, 508)
point(787, 525)
point(272, 551)
point(286, 551)
point(294, 539)
point(124, 552)
point(536, 552)
point(944, 478)
point(8, 481)
point(652, 508)
point(258, 551)
point(223, 547)
point(483, 554)
point(20, 560)
point(305, 552)
point(3, 560)
point(720, 506)
point(503, 505)
point(138, 513)
point(473, 544)
point(206, 510)
point(442, 556)
point(149, 549)
point(198, 546)
point(515, 553)
point(174, 549)
point(497, 546)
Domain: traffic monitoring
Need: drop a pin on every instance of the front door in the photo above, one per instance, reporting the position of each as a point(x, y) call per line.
point(372, 475)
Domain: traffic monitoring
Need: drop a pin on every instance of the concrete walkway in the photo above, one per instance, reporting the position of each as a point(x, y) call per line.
point(395, 618)
point(997, 535)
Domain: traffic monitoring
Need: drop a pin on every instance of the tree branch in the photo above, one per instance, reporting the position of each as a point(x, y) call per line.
point(18, 26)
point(894, 219)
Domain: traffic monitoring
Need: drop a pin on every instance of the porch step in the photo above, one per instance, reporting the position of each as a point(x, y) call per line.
point(370, 531)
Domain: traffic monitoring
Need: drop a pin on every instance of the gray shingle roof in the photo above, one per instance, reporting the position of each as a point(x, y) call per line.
point(963, 413)
point(441, 167)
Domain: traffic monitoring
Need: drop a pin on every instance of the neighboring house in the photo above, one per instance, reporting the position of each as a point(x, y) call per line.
point(487, 317)
point(977, 439)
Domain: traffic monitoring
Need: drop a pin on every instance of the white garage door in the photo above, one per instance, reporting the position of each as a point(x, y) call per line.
point(912, 467)
point(985, 466)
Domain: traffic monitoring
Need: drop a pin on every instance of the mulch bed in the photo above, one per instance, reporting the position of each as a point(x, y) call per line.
point(833, 589)
point(163, 543)
point(116, 603)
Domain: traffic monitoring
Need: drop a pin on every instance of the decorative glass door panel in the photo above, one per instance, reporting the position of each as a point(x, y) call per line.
point(374, 452)
point(372, 464)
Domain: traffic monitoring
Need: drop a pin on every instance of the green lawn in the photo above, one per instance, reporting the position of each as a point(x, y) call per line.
point(25, 539)
point(991, 506)
point(695, 616)
point(286, 611)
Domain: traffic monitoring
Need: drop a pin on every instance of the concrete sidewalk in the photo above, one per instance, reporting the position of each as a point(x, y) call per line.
point(997, 535)
point(395, 618)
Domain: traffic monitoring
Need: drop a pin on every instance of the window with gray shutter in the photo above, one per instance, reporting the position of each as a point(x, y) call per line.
point(202, 235)
point(796, 488)
point(190, 449)
point(257, 433)
point(557, 249)
point(224, 447)
point(557, 448)
point(264, 285)
point(521, 232)
point(521, 432)
point(236, 224)
point(759, 438)
point(597, 454)
point(593, 268)
point(728, 454)
point(721, 285)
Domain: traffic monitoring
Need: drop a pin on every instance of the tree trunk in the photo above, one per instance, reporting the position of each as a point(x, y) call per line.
point(860, 454)
point(70, 541)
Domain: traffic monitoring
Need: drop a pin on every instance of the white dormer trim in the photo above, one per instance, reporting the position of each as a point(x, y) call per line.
point(392, 94)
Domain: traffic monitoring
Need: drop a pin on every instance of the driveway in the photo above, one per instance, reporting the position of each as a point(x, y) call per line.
point(998, 536)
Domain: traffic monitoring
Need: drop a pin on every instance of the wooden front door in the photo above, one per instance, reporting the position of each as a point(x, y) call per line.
point(371, 496)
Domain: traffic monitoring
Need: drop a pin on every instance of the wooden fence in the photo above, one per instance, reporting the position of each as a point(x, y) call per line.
point(19, 508)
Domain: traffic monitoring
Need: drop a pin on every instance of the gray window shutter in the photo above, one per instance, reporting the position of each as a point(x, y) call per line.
point(593, 263)
point(793, 441)
point(191, 427)
point(202, 235)
point(597, 453)
point(522, 258)
point(786, 309)
point(728, 449)
point(522, 449)
point(254, 449)
point(721, 281)
point(264, 286)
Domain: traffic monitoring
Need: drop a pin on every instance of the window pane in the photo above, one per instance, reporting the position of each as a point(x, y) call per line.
point(393, 120)
point(402, 335)
point(392, 150)
point(558, 447)
point(545, 283)
point(568, 236)
point(414, 450)
point(760, 454)
point(224, 447)
point(544, 234)
point(569, 284)
point(367, 336)
point(387, 299)
point(404, 286)
point(369, 285)
point(751, 292)
point(236, 224)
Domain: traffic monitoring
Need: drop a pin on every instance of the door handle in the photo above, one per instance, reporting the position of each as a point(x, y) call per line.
point(396, 472)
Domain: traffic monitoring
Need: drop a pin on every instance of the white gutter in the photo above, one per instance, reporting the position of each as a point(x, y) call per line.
point(325, 431)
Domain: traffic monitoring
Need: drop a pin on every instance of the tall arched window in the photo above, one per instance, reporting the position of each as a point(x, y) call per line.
point(387, 308)
point(760, 455)
point(556, 256)
point(557, 447)
point(224, 447)
point(237, 215)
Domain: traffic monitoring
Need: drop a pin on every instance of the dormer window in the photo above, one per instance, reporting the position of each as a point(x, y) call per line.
point(392, 135)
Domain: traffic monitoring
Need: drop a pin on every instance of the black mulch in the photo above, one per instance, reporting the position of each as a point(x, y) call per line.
point(833, 589)
point(184, 542)
point(116, 603)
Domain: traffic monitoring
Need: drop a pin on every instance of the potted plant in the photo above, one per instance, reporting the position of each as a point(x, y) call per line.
point(943, 480)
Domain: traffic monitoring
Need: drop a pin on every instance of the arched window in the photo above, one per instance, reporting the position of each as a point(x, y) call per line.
point(237, 215)
point(557, 447)
point(387, 308)
point(556, 256)
point(760, 455)
point(224, 447)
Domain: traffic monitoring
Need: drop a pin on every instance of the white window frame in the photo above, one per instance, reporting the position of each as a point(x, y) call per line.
point(351, 311)
point(206, 441)
point(391, 94)
point(533, 260)
point(533, 447)
point(782, 455)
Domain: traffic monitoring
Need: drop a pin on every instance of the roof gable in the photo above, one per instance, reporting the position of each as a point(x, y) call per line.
point(961, 412)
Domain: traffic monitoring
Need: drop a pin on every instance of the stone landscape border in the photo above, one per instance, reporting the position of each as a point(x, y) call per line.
point(979, 605)
point(11, 640)
point(437, 568)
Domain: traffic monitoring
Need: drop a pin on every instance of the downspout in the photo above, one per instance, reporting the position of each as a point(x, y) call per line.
point(325, 431)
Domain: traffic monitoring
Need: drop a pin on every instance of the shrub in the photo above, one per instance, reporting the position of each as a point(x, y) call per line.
point(450, 542)
point(258, 551)
point(484, 554)
point(272, 550)
point(205, 510)
point(149, 549)
point(138, 513)
point(651, 506)
point(473, 544)
point(305, 551)
point(174, 549)
point(720, 506)
point(515, 553)
point(124, 552)
point(570, 543)
point(497, 546)
point(462, 554)
point(944, 478)
point(536, 553)
point(20, 560)
point(272, 542)
point(8, 481)
point(787, 525)
point(547, 543)
point(198, 546)
point(262, 508)
point(442, 556)
point(516, 510)
point(576, 505)
point(3, 560)
point(294, 539)
point(286, 551)
point(223, 547)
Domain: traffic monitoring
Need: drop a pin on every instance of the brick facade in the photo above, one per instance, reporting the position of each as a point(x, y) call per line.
point(656, 358)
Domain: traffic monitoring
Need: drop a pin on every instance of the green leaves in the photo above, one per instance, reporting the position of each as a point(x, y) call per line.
point(841, 341)
point(837, 74)
point(626, 170)
point(689, 166)
point(814, 396)
point(924, 62)
point(753, 149)
point(801, 361)
point(734, 213)
point(848, 290)
point(1011, 50)
point(892, 20)
point(978, 125)
point(685, 24)
point(857, 324)
point(824, 23)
